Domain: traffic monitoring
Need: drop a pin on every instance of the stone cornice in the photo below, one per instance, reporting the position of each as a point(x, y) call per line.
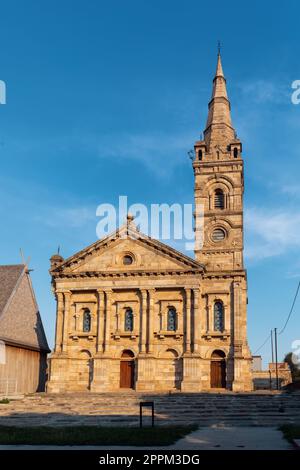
point(124, 274)
point(210, 162)
point(225, 274)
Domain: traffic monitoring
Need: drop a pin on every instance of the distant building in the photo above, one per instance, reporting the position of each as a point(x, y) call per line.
point(23, 344)
point(266, 379)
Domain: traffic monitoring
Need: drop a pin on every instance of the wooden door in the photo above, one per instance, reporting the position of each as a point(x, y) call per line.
point(127, 374)
point(218, 374)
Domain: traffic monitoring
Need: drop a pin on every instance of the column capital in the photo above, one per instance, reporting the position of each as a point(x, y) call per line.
point(100, 293)
point(59, 295)
point(196, 292)
point(188, 292)
point(107, 291)
point(143, 292)
point(152, 291)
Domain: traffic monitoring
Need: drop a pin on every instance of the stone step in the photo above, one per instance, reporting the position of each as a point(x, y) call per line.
point(120, 409)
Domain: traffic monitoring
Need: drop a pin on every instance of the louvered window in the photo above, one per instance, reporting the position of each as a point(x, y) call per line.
point(218, 235)
point(219, 199)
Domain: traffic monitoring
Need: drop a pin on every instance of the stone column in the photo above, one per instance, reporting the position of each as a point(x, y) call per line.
point(188, 320)
point(143, 328)
point(242, 380)
point(59, 321)
point(100, 321)
point(236, 310)
point(197, 320)
point(192, 364)
point(151, 320)
point(107, 320)
point(67, 296)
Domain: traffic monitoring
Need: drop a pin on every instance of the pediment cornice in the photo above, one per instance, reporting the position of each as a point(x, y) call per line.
point(66, 267)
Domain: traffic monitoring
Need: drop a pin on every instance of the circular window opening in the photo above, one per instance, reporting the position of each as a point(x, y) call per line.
point(127, 260)
point(218, 235)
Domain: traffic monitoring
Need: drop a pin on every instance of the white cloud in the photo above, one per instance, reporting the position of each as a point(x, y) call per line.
point(271, 233)
point(72, 217)
point(160, 153)
point(266, 91)
point(291, 189)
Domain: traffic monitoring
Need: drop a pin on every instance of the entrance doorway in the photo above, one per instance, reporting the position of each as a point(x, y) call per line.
point(127, 369)
point(218, 370)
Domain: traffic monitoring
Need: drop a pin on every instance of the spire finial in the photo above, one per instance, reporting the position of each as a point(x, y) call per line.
point(219, 47)
point(130, 218)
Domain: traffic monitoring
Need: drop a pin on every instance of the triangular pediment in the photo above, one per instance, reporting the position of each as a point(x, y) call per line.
point(107, 255)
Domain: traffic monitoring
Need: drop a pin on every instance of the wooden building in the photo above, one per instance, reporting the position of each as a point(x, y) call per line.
point(23, 344)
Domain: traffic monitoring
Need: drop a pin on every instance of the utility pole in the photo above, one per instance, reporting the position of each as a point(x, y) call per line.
point(276, 359)
point(272, 347)
point(272, 351)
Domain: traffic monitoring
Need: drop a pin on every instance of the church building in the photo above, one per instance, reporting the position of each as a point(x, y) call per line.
point(134, 313)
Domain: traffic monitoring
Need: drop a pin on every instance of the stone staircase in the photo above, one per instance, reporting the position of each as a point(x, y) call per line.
point(122, 409)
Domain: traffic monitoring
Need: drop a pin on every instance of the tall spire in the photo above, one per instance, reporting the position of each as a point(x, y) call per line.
point(219, 130)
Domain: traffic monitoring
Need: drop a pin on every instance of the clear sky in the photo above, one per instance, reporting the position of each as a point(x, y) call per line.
point(105, 98)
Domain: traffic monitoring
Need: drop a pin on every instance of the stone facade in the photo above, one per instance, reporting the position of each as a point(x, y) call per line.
point(134, 313)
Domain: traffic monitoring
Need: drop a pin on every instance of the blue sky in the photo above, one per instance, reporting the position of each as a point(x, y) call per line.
point(106, 98)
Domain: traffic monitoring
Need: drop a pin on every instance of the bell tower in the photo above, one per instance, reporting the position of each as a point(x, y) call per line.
point(219, 186)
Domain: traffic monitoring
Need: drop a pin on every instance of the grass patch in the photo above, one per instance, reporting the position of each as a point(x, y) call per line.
point(94, 435)
point(4, 401)
point(290, 431)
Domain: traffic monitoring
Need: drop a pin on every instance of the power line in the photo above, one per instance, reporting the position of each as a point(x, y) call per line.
point(262, 344)
point(291, 311)
point(287, 320)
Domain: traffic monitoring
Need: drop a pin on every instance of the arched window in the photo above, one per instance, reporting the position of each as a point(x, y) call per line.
point(218, 316)
point(172, 319)
point(200, 154)
point(235, 152)
point(86, 321)
point(128, 320)
point(219, 199)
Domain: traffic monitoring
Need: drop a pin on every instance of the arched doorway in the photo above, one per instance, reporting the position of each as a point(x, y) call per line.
point(218, 370)
point(85, 370)
point(127, 369)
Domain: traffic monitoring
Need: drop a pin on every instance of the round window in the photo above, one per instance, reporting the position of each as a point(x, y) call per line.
point(218, 235)
point(127, 260)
